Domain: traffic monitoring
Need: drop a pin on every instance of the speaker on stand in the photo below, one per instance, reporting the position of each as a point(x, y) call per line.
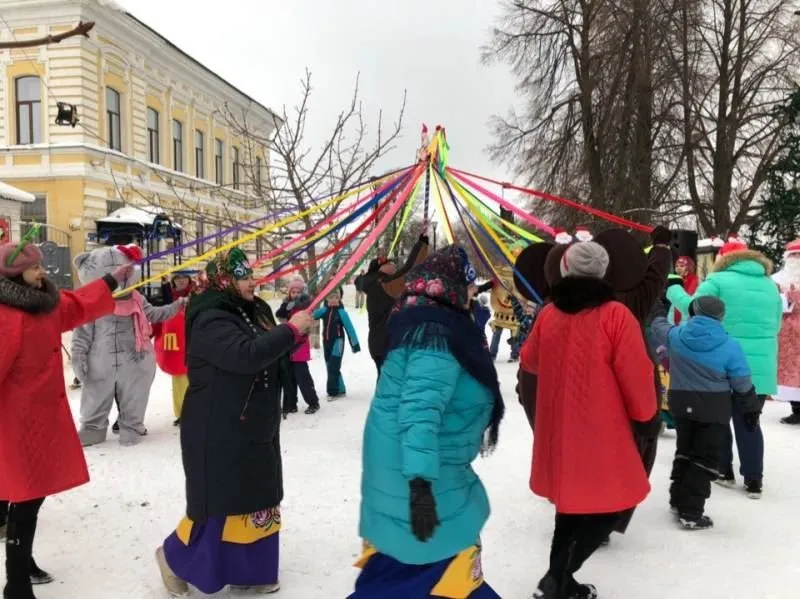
point(684, 243)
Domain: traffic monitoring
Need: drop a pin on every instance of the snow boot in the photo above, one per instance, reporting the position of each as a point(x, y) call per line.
point(176, 422)
point(701, 523)
point(793, 418)
point(39, 576)
point(312, 409)
point(174, 585)
point(727, 480)
point(115, 427)
point(581, 591)
point(547, 589)
point(19, 545)
point(263, 589)
point(753, 489)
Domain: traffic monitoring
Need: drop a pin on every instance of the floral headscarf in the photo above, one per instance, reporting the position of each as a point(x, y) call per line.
point(443, 277)
point(227, 267)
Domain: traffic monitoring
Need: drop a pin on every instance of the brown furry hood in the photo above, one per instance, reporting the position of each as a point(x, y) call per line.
point(28, 299)
point(725, 262)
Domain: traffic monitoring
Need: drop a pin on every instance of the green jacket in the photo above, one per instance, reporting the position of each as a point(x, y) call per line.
point(753, 310)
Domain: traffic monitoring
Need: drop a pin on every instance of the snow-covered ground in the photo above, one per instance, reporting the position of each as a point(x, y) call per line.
point(99, 540)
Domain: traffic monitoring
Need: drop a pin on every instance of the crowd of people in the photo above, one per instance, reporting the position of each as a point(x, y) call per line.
point(588, 381)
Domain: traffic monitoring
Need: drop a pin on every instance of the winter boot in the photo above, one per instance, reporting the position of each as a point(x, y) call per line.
point(312, 409)
point(793, 418)
point(263, 589)
point(726, 479)
point(174, 585)
point(547, 589)
point(577, 590)
point(696, 523)
point(753, 489)
point(19, 544)
point(39, 576)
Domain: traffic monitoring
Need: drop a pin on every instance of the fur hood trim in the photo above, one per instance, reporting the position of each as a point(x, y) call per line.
point(573, 294)
point(728, 260)
point(28, 299)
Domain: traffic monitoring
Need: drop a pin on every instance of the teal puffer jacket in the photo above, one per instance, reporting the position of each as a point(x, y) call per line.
point(753, 310)
point(426, 420)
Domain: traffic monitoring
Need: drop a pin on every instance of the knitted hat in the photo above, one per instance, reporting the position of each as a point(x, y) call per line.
point(585, 259)
point(734, 244)
point(296, 284)
point(709, 306)
point(442, 277)
point(15, 260)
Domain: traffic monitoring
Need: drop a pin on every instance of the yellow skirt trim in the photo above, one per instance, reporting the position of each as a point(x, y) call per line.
point(242, 530)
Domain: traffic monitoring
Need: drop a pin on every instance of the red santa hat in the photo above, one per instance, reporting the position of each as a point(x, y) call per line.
point(583, 234)
point(561, 236)
point(734, 244)
point(132, 251)
point(793, 247)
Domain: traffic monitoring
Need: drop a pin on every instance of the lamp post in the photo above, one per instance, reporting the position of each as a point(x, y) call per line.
point(434, 234)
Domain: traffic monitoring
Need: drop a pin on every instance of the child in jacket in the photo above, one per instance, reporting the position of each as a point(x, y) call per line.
point(709, 380)
point(335, 325)
point(299, 376)
point(525, 315)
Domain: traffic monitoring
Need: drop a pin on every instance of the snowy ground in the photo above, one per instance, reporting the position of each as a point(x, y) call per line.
point(99, 539)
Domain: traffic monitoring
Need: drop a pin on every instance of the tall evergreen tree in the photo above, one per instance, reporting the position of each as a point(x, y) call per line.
point(778, 219)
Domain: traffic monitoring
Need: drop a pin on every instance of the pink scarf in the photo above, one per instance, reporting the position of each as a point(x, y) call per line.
point(134, 306)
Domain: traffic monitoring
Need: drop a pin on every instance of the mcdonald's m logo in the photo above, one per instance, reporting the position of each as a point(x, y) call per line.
point(171, 342)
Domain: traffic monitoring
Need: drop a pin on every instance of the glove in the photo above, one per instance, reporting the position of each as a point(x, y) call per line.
point(423, 509)
point(661, 236)
point(650, 429)
point(356, 348)
point(674, 280)
point(751, 421)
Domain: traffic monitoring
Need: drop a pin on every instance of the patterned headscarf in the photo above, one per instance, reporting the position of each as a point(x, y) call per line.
point(227, 267)
point(443, 277)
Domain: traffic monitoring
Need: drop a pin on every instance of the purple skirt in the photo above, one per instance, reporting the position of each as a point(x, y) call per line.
point(210, 564)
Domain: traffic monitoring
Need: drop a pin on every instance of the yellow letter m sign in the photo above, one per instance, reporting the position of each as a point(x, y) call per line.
point(171, 342)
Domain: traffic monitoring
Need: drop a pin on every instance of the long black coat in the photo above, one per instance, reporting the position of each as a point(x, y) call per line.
point(231, 415)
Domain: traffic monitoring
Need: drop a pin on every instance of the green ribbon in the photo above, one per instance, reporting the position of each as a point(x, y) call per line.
point(27, 239)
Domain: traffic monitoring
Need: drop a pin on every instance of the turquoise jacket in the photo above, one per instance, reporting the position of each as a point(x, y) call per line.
point(753, 310)
point(426, 420)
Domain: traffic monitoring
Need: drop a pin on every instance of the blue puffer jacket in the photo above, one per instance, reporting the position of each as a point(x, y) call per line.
point(427, 420)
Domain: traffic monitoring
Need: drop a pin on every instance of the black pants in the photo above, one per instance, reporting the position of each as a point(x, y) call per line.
point(575, 538)
point(22, 520)
point(299, 377)
point(696, 465)
point(795, 407)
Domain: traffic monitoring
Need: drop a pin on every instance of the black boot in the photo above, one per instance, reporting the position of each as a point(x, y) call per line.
point(19, 545)
point(39, 576)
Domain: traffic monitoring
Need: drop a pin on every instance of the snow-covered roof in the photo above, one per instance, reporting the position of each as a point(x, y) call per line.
point(8, 192)
point(135, 215)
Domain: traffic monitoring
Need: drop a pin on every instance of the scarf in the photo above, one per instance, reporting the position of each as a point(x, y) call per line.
point(443, 328)
point(134, 306)
point(15, 293)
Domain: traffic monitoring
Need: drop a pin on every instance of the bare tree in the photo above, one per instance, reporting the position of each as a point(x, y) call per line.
point(300, 174)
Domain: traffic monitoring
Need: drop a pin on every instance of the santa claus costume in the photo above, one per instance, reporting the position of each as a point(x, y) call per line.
point(788, 279)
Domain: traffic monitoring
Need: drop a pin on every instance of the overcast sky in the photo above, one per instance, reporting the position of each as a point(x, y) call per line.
point(431, 48)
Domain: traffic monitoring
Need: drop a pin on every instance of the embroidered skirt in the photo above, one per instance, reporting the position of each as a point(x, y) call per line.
point(236, 550)
point(460, 577)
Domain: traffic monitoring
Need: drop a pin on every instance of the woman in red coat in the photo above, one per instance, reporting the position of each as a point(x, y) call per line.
point(40, 453)
point(593, 378)
point(685, 268)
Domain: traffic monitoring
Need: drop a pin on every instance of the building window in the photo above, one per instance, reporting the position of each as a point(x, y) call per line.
point(236, 166)
point(152, 136)
point(28, 95)
point(259, 167)
point(177, 145)
point(219, 156)
point(113, 205)
point(199, 154)
point(200, 233)
point(34, 212)
point(114, 119)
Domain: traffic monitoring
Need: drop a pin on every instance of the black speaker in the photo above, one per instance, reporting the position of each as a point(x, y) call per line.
point(684, 243)
point(507, 215)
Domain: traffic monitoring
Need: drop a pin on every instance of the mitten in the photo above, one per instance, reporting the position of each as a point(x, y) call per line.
point(650, 429)
point(423, 509)
point(661, 236)
point(674, 280)
point(356, 348)
point(751, 421)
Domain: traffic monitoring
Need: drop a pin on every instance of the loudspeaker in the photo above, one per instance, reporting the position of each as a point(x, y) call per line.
point(507, 215)
point(684, 243)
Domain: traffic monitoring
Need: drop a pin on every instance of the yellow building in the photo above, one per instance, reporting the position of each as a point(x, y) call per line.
point(152, 130)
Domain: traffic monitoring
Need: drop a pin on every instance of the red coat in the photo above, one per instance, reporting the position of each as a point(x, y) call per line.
point(170, 345)
point(40, 453)
point(593, 377)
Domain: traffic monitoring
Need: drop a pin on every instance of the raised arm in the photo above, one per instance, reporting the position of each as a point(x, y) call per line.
point(319, 312)
point(395, 284)
point(217, 339)
point(161, 313)
point(82, 338)
point(88, 303)
point(427, 389)
point(640, 299)
point(677, 296)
